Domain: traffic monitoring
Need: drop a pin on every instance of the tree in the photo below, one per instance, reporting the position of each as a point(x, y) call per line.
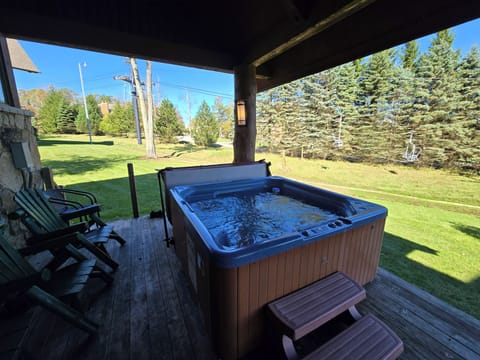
point(54, 107)
point(224, 115)
point(441, 85)
point(268, 131)
point(94, 115)
point(387, 106)
point(120, 121)
point(410, 55)
point(66, 120)
point(316, 126)
point(375, 124)
point(345, 91)
point(33, 99)
point(205, 128)
point(146, 108)
point(167, 123)
point(468, 119)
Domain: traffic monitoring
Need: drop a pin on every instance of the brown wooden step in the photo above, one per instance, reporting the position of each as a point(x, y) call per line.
point(368, 338)
point(304, 310)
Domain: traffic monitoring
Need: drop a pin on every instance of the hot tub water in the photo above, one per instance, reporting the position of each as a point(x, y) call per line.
point(243, 219)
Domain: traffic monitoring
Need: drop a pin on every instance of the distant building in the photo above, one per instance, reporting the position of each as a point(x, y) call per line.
point(19, 58)
point(105, 108)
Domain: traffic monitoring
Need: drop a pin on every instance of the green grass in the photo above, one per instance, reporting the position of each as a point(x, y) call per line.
point(432, 233)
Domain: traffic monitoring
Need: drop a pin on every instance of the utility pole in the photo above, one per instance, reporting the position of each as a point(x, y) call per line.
point(189, 114)
point(134, 103)
point(85, 100)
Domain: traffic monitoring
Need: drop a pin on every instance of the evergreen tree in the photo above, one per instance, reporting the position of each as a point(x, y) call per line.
point(374, 124)
point(440, 78)
point(317, 116)
point(410, 55)
point(205, 128)
point(50, 114)
point(94, 115)
point(345, 91)
point(468, 119)
point(268, 128)
point(66, 118)
point(289, 124)
point(430, 102)
point(166, 122)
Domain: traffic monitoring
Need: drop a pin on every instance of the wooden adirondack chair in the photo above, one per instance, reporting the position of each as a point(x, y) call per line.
point(80, 205)
point(75, 204)
point(18, 277)
point(42, 219)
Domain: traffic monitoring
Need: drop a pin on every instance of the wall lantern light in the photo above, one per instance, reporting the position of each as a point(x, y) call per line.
point(241, 113)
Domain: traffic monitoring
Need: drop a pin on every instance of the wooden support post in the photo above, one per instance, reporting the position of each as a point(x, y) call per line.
point(133, 190)
point(245, 136)
point(47, 176)
point(6, 75)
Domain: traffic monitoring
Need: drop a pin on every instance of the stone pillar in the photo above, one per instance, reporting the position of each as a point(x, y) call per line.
point(15, 127)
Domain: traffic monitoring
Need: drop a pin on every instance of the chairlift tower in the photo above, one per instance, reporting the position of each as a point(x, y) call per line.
point(337, 140)
point(129, 80)
point(411, 153)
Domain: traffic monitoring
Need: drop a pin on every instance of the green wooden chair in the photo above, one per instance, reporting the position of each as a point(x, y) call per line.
point(42, 219)
point(74, 204)
point(44, 288)
point(77, 205)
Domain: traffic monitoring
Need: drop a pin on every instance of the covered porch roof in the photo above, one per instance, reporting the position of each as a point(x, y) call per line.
point(283, 39)
point(265, 43)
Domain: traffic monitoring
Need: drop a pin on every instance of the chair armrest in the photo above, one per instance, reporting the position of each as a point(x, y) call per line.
point(72, 229)
point(73, 213)
point(85, 194)
point(51, 243)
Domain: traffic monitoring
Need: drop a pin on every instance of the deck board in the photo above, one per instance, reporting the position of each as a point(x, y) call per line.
point(150, 312)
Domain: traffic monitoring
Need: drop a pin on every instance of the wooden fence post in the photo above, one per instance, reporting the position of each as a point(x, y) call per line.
point(133, 191)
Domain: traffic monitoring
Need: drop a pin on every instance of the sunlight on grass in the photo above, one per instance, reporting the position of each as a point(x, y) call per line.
point(432, 234)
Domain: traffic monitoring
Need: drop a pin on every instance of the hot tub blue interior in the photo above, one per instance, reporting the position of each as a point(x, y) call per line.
point(242, 219)
point(254, 218)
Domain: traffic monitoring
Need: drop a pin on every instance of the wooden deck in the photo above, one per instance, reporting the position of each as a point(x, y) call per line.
point(149, 312)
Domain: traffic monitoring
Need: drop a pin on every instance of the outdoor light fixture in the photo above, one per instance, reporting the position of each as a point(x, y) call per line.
point(241, 113)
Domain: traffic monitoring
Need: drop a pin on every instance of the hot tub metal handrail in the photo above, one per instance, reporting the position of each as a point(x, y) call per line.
point(168, 240)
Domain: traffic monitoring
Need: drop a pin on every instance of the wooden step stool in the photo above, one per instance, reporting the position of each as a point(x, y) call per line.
point(368, 338)
point(305, 310)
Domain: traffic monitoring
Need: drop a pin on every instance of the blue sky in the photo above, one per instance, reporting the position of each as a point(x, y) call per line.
point(59, 67)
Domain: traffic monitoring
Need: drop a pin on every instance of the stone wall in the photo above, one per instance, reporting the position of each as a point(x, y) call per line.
point(15, 127)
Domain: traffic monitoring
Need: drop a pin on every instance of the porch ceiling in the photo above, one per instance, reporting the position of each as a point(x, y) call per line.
point(286, 39)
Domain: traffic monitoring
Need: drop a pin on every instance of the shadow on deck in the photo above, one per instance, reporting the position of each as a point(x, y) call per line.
point(150, 311)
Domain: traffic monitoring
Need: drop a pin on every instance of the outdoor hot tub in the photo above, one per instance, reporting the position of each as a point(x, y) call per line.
point(245, 243)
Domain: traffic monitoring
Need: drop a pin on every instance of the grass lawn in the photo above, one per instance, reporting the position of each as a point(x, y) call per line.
point(433, 229)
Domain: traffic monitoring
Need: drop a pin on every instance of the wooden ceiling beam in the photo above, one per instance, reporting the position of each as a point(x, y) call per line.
point(270, 48)
point(55, 30)
point(321, 52)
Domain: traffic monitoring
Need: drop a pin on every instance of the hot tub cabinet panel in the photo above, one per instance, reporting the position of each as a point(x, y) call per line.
point(233, 297)
point(179, 233)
